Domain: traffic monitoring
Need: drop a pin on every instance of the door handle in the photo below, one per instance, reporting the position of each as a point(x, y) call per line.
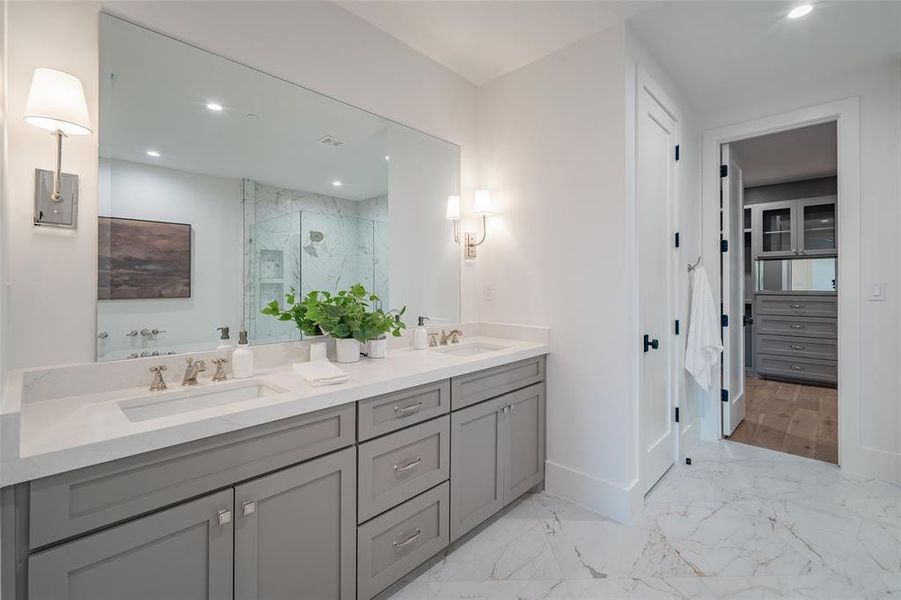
point(649, 343)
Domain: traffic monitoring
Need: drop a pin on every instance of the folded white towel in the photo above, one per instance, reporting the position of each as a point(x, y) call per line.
point(320, 372)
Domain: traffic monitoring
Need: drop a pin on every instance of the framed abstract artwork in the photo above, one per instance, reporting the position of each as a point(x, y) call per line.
point(143, 260)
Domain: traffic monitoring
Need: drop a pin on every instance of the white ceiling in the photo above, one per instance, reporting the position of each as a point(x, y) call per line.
point(154, 93)
point(805, 153)
point(482, 40)
point(725, 53)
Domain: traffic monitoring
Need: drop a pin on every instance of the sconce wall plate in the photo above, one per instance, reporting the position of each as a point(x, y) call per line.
point(469, 248)
point(53, 213)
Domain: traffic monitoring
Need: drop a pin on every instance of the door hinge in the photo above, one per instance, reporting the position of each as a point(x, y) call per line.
point(724, 170)
point(724, 395)
point(676, 328)
point(724, 320)
point(676, 239)
point(724, 245)
point(677, 151)
point(677, 414)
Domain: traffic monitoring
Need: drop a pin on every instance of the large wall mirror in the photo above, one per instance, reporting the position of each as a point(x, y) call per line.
point(223, 188)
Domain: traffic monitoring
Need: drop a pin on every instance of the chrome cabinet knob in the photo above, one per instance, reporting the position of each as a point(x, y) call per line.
point(248, 508)
point(225, 516)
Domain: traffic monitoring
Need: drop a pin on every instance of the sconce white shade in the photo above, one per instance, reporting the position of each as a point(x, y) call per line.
point(482, 205)
point(56, 102)
point(453, 208)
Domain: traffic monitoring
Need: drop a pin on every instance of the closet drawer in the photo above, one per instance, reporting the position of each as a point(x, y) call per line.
point(825, 371)
point(393, 544)
point(802, 306)
point(68, 504)
point(826, 349)
point(387, 413)
point(490, 383)
point(796, 326)
point(396, 467)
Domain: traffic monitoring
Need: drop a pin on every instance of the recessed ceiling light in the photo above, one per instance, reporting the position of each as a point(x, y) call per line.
point(336, 183)
point(214, 106)
point(799, 11)
point(153, 153)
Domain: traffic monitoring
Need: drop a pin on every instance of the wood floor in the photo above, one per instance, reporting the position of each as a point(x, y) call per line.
point(789, 417)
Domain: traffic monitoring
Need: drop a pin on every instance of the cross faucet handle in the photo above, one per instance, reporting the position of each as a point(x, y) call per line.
point(219, 375)
point(158, 383)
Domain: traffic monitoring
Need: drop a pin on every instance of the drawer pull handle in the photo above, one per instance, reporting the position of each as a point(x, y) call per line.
point(248, 508)
point(400, 468)
point(796, 306)
point(796, 326)
point(405, 411)
point(398, 546)
point(797, 368)
point(796, 347)
point(225, 516)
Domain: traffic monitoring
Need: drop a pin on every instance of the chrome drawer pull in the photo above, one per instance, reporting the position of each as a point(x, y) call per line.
point(401, 468)
point(795, 347)
point(225, 516)
point(797, 368)
point(405, 411)
point(401, 545)
point(796, 306)
point(248, 508)
point(796, 326)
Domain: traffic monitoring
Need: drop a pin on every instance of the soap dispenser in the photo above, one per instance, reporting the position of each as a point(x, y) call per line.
point(242, 358)
point(420, 335)
point(224, 340)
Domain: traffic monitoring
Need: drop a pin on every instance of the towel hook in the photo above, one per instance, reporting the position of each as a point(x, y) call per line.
point(694, 266)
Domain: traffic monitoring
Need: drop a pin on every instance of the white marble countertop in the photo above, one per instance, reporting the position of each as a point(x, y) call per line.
point(64, 433)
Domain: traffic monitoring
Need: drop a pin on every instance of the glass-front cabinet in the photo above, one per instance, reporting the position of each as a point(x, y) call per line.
point(795, 228)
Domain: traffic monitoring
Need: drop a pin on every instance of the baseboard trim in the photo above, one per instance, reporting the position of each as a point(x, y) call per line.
point(603, 497)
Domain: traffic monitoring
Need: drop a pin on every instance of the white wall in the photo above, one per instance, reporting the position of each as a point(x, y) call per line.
point(551, 151)
point(51, 274)
point(213, 207)
point(879, 91)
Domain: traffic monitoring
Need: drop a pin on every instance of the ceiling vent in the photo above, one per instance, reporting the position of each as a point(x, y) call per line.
point(330, 140)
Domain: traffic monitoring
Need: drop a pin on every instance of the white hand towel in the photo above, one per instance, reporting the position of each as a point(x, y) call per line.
point(702, 352)
point(320, 372)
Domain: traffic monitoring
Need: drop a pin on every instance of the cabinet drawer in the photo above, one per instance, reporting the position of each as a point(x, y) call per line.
point(387, 413)
point(476, 387)
point(802, 306)
point(396, 467)
point(393, 544)
point(71, 503)
point(826, 349)
point(825, 371)
point(796, 326)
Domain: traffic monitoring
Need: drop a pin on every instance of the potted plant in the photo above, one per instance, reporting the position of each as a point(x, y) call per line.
point(297, 311)
point(378, 324)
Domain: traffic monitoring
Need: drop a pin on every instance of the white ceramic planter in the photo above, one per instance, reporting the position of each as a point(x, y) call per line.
point(378, 348)
point(347, 350)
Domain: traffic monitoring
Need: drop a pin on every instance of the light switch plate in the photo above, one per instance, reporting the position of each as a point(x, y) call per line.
point(876, 291)
point(62, 213)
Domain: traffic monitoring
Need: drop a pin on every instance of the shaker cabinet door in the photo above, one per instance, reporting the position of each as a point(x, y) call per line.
point(295, 532)
point(477, 451)
point(524, 424)
point(184, 552)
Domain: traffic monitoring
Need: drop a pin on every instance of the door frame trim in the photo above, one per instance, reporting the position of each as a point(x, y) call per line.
point(846, 114)
point(643, 81)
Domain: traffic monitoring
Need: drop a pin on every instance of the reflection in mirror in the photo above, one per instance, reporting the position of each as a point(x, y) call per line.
point(223, 188)
point(796, 275)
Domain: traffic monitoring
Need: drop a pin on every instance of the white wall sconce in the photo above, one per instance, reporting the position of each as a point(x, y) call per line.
point(56, 102)
point(482, 208)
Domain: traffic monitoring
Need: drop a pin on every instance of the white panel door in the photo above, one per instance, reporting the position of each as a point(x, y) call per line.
point(655, 191)
point(733, 292)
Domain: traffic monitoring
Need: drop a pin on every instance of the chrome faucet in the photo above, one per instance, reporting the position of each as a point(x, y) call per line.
point(191, 371)
point(454, 335)
point(220, 370)
point(433, 339)
point(158, 384)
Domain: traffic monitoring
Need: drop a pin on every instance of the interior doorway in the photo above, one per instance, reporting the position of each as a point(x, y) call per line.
point(779, 290)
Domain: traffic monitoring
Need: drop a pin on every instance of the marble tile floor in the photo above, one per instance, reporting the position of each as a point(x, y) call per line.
point(741, 522)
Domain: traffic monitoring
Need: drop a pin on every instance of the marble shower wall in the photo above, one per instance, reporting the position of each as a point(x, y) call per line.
point(307, 241)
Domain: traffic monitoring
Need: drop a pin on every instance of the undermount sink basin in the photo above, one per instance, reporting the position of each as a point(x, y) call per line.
point(468, 349)
point(156, 405)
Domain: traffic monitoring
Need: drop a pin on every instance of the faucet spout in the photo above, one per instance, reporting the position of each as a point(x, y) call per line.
point(193, 368)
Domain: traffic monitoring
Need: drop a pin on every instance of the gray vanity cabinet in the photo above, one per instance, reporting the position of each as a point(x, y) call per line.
point(183, 552)
point(295, 532)
point(497, 454)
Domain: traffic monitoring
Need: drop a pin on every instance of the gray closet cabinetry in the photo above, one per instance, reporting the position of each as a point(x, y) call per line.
point(792, 228)
point(497, 454)
point(183, 552)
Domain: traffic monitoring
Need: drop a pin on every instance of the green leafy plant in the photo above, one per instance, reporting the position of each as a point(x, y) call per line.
point(353, 313)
